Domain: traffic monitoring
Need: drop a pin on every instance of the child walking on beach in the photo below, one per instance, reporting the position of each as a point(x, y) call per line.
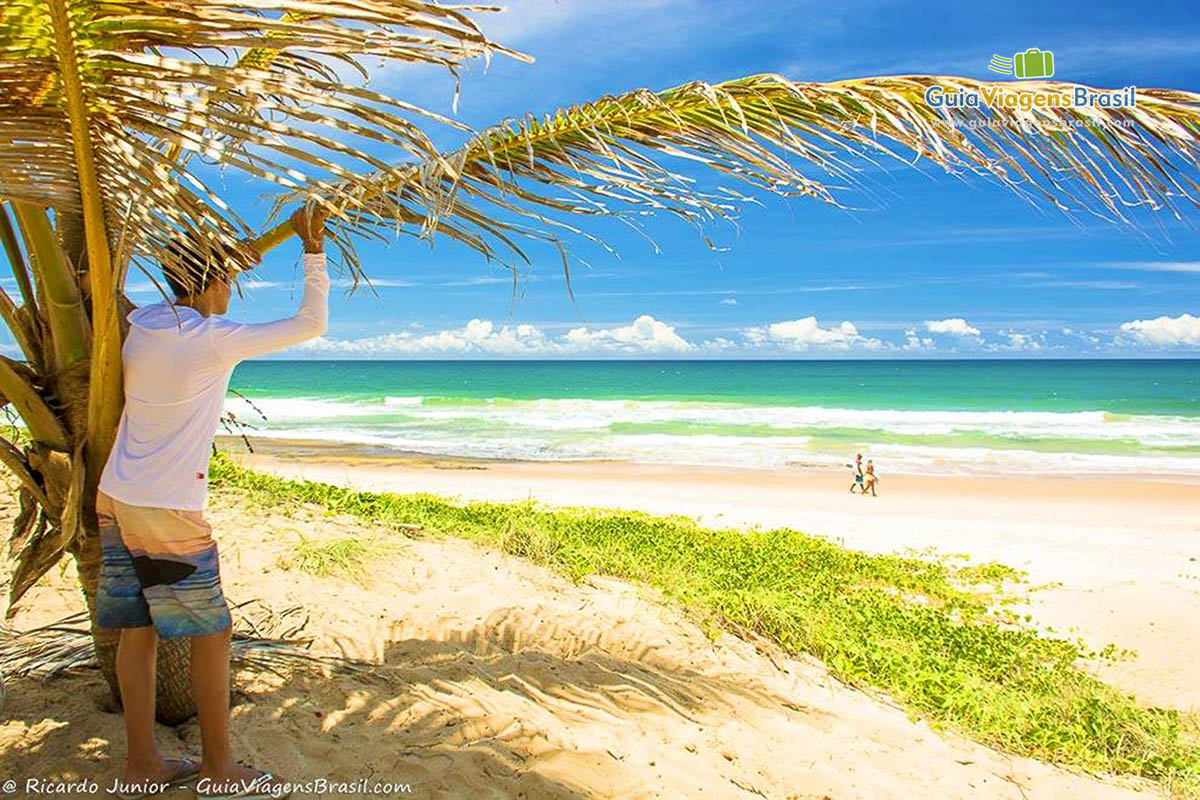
point(160, 574)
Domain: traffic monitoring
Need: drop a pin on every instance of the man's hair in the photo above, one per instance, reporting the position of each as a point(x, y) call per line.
point(190, 270)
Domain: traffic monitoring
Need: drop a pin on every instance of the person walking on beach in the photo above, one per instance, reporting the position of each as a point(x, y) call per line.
point(160, 575)
point(858, 474)
point(870, 479)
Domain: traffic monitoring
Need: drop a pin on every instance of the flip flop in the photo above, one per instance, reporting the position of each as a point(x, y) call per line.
point(181, 777)
point(260, 787)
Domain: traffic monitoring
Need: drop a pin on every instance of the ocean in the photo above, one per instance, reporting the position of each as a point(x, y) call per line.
point(931, 417)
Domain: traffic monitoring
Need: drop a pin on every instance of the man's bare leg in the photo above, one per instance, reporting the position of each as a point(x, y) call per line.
point(136, 657)
point(210, 688)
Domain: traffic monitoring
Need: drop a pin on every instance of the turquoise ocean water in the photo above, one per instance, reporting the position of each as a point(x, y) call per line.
point(909, 416)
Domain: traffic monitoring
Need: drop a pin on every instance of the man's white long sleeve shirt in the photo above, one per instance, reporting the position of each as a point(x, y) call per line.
point(177, 365)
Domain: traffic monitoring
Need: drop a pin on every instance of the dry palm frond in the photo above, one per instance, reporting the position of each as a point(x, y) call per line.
point(801, 139)
point(263, 639)
point(160, 79)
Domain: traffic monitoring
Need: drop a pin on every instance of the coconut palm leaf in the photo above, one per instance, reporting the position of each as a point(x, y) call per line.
point(262, 639)
point(16, 260)
point(769, 133)
point(17, 463)
point(66, 318)
point(18, 323)
point(19, 384)
point(143, 82)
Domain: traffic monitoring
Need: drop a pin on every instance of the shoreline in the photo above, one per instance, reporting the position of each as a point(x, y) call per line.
point(1119, 556)
point(320, 449)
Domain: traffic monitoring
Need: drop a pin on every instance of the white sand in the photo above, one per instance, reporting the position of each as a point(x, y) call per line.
point(506, 681)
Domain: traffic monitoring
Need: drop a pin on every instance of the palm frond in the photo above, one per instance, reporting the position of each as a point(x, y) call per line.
point(263, 639)
point(66, 319)
point(40, 546)
point(163, 78)
point(39, 554)
point(29, 517)
point(19, 324)
point(16, 260)
point(17, 463)
point(19, 385)
point(525, 177)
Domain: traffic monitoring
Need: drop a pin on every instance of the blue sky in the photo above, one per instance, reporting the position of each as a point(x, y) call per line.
point(933, 267)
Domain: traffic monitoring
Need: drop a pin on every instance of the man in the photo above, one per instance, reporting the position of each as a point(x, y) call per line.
point(160, 574)
point(858, 474)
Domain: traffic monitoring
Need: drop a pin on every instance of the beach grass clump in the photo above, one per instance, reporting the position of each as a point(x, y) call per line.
point(922, 630)
point(346, 557)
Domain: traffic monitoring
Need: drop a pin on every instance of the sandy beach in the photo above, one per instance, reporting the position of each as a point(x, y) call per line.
point(500, 679)
point(1118, 558)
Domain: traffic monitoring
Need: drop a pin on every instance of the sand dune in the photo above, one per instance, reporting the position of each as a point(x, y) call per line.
point(498, 679)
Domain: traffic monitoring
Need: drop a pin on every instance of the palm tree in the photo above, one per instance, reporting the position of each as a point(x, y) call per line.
point(105, 105)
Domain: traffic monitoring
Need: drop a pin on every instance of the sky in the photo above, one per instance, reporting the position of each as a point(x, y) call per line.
point(928, 266)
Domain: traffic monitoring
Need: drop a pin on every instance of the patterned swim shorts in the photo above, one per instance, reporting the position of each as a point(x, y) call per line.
point(158, 567)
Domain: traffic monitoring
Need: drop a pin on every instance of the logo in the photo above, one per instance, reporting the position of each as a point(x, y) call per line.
point(1033, 63)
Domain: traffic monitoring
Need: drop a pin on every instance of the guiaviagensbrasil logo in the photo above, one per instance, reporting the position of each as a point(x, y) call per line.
point(1033, 63)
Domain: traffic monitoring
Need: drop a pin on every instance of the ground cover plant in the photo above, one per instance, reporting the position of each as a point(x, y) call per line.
point(934, 634)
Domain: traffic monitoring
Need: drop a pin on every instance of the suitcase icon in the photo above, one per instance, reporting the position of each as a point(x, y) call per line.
point(1034, 63)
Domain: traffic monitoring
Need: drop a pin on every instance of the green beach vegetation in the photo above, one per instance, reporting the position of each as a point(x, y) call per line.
point(936, 634)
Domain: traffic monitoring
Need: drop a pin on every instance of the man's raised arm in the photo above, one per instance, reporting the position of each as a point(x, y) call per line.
point(236, 341)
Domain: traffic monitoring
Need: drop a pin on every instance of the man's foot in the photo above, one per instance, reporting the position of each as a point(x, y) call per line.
point(241, 781)
point(142, 782)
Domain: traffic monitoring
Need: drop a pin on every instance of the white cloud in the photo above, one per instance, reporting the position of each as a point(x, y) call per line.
point(1165, 331)
point(1019, 342)
point(646, 334)
point(481, 337)
point(524, 21)
point(254, 284)
point(806, 333)
point(1081, 336)
point(1121, 285)
point(914, 342)
point(955, 326)
point(719, 344)
point(484, 280)
point(477, 337)
point(1155, 266)
point(378, 283)
point(146, 287)
point(651, 337)
point(729, 301)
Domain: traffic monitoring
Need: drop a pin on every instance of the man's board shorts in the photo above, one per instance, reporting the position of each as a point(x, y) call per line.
point(158, 567)
point(858, 478)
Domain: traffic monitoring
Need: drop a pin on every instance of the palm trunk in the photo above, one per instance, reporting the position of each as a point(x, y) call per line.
point(174, 702)
point(86, 552)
